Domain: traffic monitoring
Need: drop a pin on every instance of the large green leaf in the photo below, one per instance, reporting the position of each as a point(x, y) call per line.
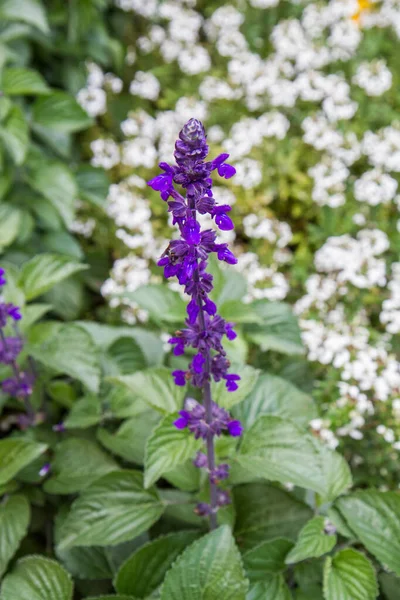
point(56, 183)
point(84, 413)
point(70, 473)
point(114, 509)
point(279, 330)
point(93, 184)
point(210, 568)
point(275, 396)
point(125, 356)
point(162, 304)
point(28, 11)
point(167, 448)
point(71, 351)
point(390, 585)
point(374, 517)
point(249, 377)
point(15, 454)
point(273, 589)
point(266, 558)
point(60, 112)
point(14, 520)
point(156, 387)
point(20, 81)
point(129, 441)
point(312, 542)
point(349, 575)
point(10, 223)
point(264, 512)
point(43, 272)
point(278, 450)
point(145, 570)
point(37, 578)
point(15, 135)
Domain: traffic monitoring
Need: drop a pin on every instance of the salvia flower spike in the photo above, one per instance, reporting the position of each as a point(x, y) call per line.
point(186, 259)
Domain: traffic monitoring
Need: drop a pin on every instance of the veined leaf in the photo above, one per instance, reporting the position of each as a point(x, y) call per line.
point(43, 272)
point(312, 542)
point(248, 380)
point(37, 578)
point(15, 515)
point(273, 589)
point(61, 112)
point(266, 558)
point(56, 183)
point(279, 330)
point(349, 575)
point(15, 454)
point(15, 135)
point(19, 81)
point(28, 11)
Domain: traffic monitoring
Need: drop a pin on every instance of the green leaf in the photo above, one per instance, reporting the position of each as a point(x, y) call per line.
point(349, 575)
point(273, 395)
point(162, 304)
point(43, 272)
point(15, 454)
point(266, 558)
point(273, 589)
point(248, 380)
point(60, 112)
point(279, 330)
point(390, 585)
point(15, 135)
point(56, 183)
point(71, 351)
point(145, 570)
point(77, 464)
point(167, 448)
point(238, 312)
point(156, 387)
point(208, 569)
point(21, 81)
point(117, 597)
point(114, 509)
point(85, 413)
point(264, 512)
point(375, 519)
point(129, 441)
point(10, 223)
point(28, 11)
point(37, 578)
point(93, 184)
point(278, 450)
point(32, 313)
point(126, 356)
point(312, 542)
point(86, 563)
point(15, 515)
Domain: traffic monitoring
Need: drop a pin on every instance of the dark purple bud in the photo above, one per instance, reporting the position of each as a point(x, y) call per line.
point(210, 307)
point(226, 255)
point(224, 222)
point(191, 232)
point(59, 427)
point(220, 473)
point(235, 428)
point(197, 363)
point(203, 509)
point(230, 382)
point(201, 460)
point(19, 386)
point(45, 470)
point(230, 332)
point(179, 377)
point(183, 420)
point(3, 280)
point(14, 312)
point(223, 498)
point(10, 347)
point(192, 311)
point(226, 171)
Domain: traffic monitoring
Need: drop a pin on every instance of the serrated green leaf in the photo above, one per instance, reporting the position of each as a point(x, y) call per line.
point(43, 272)
point(273, 589)
point(15, 515)
point(61, 112)
point(375, 519)
point(129, 441)
point(266, 558)
point(349, 575)
point(37, 578)
point(279, 450)
point(312, 542)
point(77, 463)
point(248, 380)
point(84, 413)
point(279, 330)
point(114, 509)
point(167, 448)
point(208, 569)
point(28, 11)
point(145, 570)
point(264, 512)
point(15, 454)
point(56, 183)
point(273, 395)
point(156, 387)
point(21, 81)
point(15, 135)
point(71, 351)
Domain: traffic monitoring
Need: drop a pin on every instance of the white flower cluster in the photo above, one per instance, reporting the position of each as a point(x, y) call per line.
point(375, 78)
point(390, 314)
point(93, 97)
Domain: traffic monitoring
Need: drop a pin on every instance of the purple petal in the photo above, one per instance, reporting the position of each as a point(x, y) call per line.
point(235, 428)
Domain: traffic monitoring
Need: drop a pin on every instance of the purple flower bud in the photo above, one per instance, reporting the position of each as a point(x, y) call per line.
point(10, 347)
point(210, 307)
point(230, 381)
point(226, 255)
point(183, 420)
point(192, 311)
point(235, 428)
point(230, 332)
point(198, 362)
point(226, 171)
point(191, 232)
point(3, 280)
point(179, 377)
point(201, 460)
point(203, 509)
point(15, 312)
point(45, 470)
point(19, 386)
point(59, 427)
point(223, 498)
point(220, 473)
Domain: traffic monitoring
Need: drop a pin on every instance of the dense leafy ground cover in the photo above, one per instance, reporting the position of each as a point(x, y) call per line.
point(98, 487)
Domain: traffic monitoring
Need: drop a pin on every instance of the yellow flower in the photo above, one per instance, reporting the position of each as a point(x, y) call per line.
point(363, 6)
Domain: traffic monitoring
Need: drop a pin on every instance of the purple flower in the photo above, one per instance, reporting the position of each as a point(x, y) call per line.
point(10, 347)
point(59, 427)
point(221, 218)
point(220, 473)
point(45, 470)
point(203, 509)
point(235, 428)
point(3, 280)
point(179, 377)
point(223, 498)
point(20, 386)
point(162, 183)
point(201, 460)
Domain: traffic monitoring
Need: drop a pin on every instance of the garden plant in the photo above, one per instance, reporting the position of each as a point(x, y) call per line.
point(199, 300)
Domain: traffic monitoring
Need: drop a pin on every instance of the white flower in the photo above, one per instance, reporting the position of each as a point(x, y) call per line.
point(374, 77)
point(375, 187)
point(145, 85)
